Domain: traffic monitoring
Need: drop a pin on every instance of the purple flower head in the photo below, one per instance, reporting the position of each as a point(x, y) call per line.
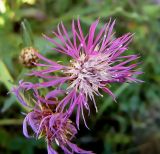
point(46, 122)
point(97, 60)
point(55, 127)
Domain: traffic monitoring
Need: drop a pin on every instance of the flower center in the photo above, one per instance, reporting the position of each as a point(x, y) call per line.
point(88, 72)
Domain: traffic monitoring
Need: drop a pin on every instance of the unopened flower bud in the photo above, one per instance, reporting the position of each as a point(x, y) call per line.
point(28, 57)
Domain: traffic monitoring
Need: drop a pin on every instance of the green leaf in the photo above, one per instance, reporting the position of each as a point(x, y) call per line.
point(5, 76)
point(27, 33)
point(8, 103)
point(110, 100)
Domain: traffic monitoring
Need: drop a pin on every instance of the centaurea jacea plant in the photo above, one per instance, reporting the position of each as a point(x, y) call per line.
point(97, 60)
point(55, 127)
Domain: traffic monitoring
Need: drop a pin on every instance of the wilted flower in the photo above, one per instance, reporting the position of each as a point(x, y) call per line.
point(97, 60)
point(46, 122)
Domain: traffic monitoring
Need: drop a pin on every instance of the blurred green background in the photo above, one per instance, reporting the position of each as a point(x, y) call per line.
point(131, 126)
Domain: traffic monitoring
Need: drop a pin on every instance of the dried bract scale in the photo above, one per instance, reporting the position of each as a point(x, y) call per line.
point(28, 57)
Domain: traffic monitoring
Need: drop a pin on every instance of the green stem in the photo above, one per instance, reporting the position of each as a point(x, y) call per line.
point(11, 122)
